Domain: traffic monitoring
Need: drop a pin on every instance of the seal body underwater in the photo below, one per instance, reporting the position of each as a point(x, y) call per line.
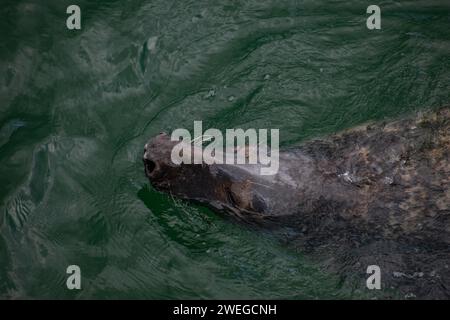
point(378, 194)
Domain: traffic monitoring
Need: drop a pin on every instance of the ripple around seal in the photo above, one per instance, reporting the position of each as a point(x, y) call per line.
point(77, 108)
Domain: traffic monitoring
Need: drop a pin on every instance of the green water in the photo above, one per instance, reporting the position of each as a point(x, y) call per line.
point(76, 108)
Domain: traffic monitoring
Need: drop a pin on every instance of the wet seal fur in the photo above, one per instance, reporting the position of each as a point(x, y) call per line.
point(376, 194)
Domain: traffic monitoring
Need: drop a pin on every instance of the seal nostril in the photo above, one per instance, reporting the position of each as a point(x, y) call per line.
point(149, 165)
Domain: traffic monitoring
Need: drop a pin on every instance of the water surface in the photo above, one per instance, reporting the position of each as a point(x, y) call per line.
point(77, 107)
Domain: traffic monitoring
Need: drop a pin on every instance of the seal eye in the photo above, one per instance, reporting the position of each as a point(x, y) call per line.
point(149, 165)
point(258, 204)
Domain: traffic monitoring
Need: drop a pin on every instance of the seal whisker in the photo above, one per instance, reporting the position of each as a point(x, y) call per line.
point(260, 184)
point(201, 138)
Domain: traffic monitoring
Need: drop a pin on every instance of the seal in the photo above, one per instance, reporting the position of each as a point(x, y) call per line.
point(376, 194)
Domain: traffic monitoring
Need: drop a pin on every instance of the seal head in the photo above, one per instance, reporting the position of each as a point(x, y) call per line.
point(231, 188)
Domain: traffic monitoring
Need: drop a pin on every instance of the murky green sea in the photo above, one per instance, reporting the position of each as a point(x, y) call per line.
point(77, 106)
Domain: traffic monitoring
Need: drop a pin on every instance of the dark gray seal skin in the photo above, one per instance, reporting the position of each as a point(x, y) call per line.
point(376, 194)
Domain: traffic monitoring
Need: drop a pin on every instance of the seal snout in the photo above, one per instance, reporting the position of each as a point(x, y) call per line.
point(150, 164)
point(157, 154)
